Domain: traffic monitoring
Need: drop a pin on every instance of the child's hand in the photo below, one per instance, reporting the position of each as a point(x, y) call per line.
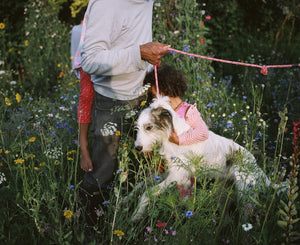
point(174, 138)
point(86, 163)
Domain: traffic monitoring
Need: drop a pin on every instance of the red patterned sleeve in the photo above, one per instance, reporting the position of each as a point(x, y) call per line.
point(86, 98)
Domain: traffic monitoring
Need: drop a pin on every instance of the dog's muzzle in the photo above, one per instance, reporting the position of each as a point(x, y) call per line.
point(139, 148)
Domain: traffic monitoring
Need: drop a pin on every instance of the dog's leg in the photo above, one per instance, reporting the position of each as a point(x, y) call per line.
point(180, 177)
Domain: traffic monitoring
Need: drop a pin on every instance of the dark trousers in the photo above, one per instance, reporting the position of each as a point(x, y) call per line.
point(109, 117)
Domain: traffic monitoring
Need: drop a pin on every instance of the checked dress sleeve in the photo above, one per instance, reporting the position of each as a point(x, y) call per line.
point(198, 131)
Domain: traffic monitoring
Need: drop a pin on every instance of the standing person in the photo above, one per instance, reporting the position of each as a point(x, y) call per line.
point(172, 83)
point(86, 97)
point(117, 48)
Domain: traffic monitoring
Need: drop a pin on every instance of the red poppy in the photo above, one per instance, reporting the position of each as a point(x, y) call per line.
point(160, 224)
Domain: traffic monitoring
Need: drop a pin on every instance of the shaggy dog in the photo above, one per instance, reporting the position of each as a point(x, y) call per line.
point(154, 126)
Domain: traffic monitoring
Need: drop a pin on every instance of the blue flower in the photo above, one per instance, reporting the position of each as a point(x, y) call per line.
point(105, 203)
point(157, 178)
point(71, 187)
point(189, 213)
point(210, 104)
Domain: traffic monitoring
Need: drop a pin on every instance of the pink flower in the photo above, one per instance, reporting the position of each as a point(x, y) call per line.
point(208, 17)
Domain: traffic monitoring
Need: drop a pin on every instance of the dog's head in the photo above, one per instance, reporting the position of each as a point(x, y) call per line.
point(153, 126)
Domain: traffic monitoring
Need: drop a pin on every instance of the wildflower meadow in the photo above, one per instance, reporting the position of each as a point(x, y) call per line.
point(40, 174)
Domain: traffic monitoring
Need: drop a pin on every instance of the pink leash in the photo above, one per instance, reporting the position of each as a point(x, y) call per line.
point(264, 68)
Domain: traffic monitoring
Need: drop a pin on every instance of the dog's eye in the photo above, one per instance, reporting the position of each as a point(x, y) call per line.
point(148, 127)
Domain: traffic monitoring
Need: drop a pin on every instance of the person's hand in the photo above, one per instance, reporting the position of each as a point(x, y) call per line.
point(153, 52)
point(86, 162)
point(174, 137)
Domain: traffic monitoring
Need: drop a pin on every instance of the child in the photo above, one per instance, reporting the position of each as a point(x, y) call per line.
point(172, 83)
point(86, 98)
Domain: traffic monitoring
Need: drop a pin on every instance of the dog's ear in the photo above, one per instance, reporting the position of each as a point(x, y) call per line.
point(162, 117)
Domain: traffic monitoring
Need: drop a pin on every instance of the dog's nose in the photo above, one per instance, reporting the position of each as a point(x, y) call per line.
point(139, 148)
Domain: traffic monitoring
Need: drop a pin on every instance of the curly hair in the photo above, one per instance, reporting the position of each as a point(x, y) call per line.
point(171, 82)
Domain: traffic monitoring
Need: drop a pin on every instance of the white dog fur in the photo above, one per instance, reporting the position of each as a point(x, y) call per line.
point(154, 126)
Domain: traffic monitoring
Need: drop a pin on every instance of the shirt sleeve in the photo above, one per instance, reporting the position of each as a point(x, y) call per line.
point(104, 26)
point(198, 131)
point(86, 98)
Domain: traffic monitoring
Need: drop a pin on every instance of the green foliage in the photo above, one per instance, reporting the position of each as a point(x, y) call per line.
point(39, 154)
point(180, 25)
point(47, 45)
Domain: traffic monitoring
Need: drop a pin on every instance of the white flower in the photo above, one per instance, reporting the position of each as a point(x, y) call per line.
point(54, 153)
point(2, 178)
point(247, 227)
point(109, 128)
point(13, 83)
point(130, 114)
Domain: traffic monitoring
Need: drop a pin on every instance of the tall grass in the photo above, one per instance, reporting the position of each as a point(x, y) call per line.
point(39, 159)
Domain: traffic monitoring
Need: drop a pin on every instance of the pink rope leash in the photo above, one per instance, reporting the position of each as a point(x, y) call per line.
point(264, 68)
point(156, 80)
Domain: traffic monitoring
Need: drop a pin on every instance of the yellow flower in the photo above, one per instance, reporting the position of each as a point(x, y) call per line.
point(20, 161)
point(7, 101)
point(42, 164)
point(58, 65)
point(119, 233)
point(118, 133)
point(68, 214)
point(26, 42)
point(70, 159)
point(71, 58)
point(31, 156)
point(1, 163)
point(36, 168)
point(2, 26)
point(56, 162)
point(32, 139)
point(6, 152)
point(19, 52)
point(11, 49)
point(143, 102)
point(18, 97)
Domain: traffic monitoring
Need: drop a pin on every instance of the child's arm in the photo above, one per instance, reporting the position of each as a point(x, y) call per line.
point(86, 98)
point(198, 131)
